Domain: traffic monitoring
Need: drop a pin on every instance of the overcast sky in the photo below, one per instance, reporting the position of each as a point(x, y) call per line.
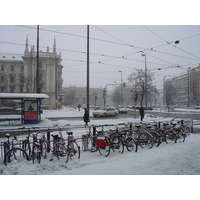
point(113, 48)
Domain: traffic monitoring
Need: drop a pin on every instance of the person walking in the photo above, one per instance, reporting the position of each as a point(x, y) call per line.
point(141, 110)
point(86, 117)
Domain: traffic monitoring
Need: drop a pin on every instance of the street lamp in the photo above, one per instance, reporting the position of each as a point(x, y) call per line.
point(104, 93)
point(121, 88)
point(145, 79)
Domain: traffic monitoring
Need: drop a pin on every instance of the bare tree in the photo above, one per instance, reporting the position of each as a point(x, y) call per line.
point(116, 97)
point(169, 93)
point(138, 80)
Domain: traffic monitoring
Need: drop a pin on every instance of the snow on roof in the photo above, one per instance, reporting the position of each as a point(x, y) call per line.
point(23, 95)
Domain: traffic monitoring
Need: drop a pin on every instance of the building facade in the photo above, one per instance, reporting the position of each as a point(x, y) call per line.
point(186, 88)
point(74, 96)
point(19, 76)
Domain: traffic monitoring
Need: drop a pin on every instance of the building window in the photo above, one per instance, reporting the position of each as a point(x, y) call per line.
point(2, 67)
point(12, 68)
point(2, 79)
point(21, 89)
point(2, 88)
point(12, 79)
point(12, 89)
point(21, 79)
point(22, 68)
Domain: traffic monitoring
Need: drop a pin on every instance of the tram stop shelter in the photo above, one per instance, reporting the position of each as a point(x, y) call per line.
point(21, 108)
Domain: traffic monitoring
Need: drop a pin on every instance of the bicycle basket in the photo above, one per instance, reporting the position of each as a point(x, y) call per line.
point(101, 142)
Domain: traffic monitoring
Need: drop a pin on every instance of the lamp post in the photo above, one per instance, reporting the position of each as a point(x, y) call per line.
point(145, 79)
point(104, 93)
point(188, 91)
point(121, 88)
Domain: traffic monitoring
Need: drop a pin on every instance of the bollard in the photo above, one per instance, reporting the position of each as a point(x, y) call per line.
point(85, 142)
point(191, 126)
point(130, 127)
point(48, 138)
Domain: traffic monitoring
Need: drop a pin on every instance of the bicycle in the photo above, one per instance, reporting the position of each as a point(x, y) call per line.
point(72, 146)
point(58, 149)
point(161, 132)
point(116, 142)
point(184, 128)
point(178, 130)
point(126, 135)
point(13, 154)
point(97, 142)
point(143, 138)
point(154, 134)
point(34, 151)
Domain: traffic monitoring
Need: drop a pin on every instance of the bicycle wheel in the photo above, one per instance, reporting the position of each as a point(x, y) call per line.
point(26, 147)
point(131, 144)
point(180, 136)
point(156, 138)
point(105, 151)
point(170, 137)
point(43, 150)
point(185, 129)
point(74, 150)
point(61, 152)
point(89, 144)
point(15, 155)
point(145, 140)
point(36, 154)
point(117, 144)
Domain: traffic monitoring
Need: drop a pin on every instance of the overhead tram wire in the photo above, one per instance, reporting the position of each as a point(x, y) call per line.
point(174, 55)
point(113, 57)
point(170, 42)
point(81, 36)
point(143, 49)
point(178, 40)
point(148, 49)
point(115, 37)
point(82, 52)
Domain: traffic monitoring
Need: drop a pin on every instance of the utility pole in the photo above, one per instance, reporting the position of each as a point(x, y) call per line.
point(121, 89)
point(37, 70)
point(145, 79)
point(88, 83)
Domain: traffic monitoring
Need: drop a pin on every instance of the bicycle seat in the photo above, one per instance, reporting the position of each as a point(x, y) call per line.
point(138, 125)
point(55, 135)
point(69, 133)
point(7, 135)
point(148, 126)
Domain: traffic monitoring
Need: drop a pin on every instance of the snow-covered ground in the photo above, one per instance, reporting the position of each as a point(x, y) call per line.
point(168, 159)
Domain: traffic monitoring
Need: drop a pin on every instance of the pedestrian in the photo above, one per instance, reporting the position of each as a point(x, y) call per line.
point(79, 106)
point(141, 110)
point(86, 117)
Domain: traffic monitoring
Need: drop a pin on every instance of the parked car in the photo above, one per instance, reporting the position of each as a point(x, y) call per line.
point(104, 112)
point(121, 109)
